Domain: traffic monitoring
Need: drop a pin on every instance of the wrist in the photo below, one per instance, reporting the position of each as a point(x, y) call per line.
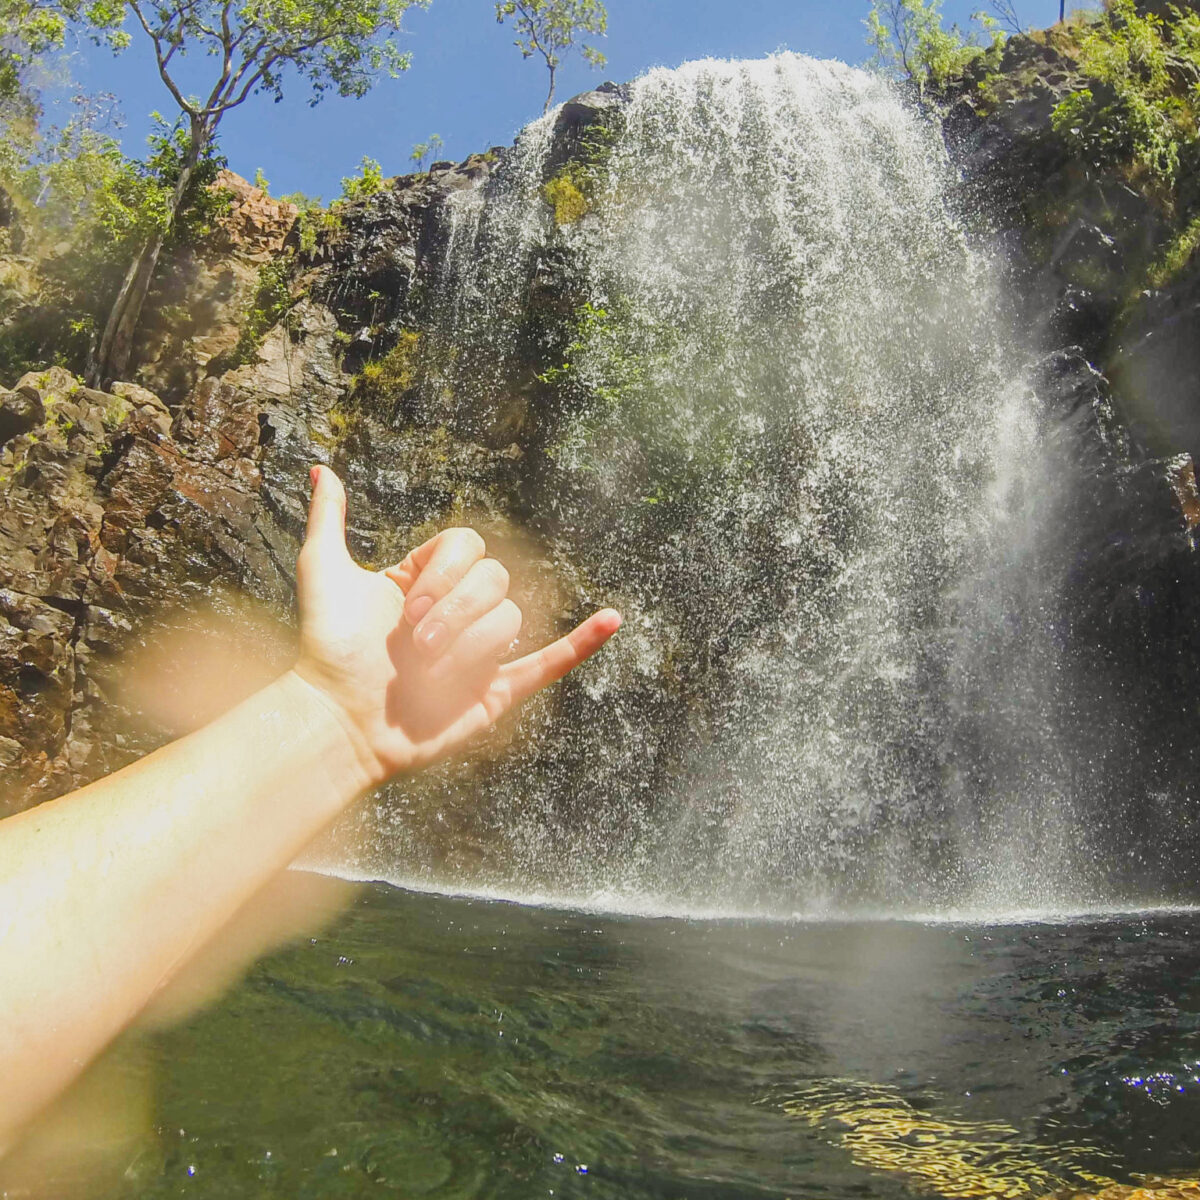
point(353, 766)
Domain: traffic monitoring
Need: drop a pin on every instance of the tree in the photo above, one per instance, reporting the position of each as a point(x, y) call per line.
point(550, 28)
point(338, 45)
point(422, 150)
point(1005, 12)
point(910, 41)
point(30, 34)
point(82, 210)
point(28, 30)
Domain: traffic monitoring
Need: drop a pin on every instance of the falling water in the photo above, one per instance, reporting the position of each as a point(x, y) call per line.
point(782, 425)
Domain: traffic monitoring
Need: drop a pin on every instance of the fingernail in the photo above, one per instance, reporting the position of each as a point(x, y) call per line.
point(416, 608)
point(432, 638)
point(313, 475)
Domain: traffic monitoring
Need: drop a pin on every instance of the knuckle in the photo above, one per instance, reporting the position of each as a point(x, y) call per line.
point(468, 538)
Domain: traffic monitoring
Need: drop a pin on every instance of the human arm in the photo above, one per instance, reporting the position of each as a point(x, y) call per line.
point(106, 892)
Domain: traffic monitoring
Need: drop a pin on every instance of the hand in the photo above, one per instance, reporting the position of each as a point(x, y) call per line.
point(410, 658)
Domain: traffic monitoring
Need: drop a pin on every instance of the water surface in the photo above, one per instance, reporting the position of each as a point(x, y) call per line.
point(450, 1047)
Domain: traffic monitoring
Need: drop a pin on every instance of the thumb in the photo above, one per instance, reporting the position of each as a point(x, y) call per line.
point(326, 532)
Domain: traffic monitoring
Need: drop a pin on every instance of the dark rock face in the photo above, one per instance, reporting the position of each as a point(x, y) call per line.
point(1072, 236)
point(1155, 365)
point(113, 509)
point(371, 273)
point(1119, 370)
point(1080, 243)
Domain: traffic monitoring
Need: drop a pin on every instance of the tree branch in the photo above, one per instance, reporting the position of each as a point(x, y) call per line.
point(287, 54)
point(222, 99)
point(162, 63)
point(227, 59)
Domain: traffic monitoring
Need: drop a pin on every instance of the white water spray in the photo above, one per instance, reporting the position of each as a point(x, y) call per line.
point(788, 435)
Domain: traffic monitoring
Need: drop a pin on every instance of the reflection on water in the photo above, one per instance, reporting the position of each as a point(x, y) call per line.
point(431, 1046)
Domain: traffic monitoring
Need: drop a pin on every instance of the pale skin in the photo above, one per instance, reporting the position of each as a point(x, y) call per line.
point(106, 893)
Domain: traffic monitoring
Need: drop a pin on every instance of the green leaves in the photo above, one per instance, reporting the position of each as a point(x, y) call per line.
point(550, 28)
point(333, 45)
point(910, 42)
point(1141, 107)
point(85, 211)
point(367, 182)
point(422, 150)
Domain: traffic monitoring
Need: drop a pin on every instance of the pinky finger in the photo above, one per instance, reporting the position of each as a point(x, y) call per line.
point(535, 671)
point(404, 574)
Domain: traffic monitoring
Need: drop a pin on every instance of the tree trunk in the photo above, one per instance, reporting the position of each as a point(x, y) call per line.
point(550, 94)
point(111, 361)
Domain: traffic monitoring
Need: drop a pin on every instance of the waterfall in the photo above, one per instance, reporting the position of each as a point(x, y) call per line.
point(779, 420)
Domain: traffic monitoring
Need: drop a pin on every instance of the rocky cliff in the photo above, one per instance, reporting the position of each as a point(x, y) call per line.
point(189, 483)
point(121, 511)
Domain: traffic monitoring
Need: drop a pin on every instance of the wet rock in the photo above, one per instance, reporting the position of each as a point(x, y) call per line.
point(111, 512)
point(589, 108)
point(601, 107)
point(1072, 235)
point(1155, 365)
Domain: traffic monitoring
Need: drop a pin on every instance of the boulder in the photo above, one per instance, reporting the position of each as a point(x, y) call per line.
point(20, 411)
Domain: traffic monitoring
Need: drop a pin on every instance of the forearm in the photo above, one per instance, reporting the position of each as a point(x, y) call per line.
point(106, 891)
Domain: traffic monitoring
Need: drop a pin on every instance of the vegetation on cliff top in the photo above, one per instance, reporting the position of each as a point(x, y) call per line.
point(1141, 108)
point(332, 45)
point(909, 40)
point(80, 210)
point(1134, 109)
point(94, 223)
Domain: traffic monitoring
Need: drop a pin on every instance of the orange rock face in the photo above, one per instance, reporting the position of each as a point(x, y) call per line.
point(257, 225)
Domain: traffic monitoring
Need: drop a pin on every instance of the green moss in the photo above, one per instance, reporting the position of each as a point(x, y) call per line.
point(1175, 256)
point(395, 373)
point(341, 423)
point(566, 197)
point(115, 413)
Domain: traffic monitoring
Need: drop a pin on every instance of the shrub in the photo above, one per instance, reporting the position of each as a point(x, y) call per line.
point(1142, 104)
point(273, 300)
point(384, 378)
point(566, 197)
point(367, 182)
point(910, 42)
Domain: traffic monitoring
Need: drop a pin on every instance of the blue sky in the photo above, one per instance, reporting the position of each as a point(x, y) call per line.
point(470, 85)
